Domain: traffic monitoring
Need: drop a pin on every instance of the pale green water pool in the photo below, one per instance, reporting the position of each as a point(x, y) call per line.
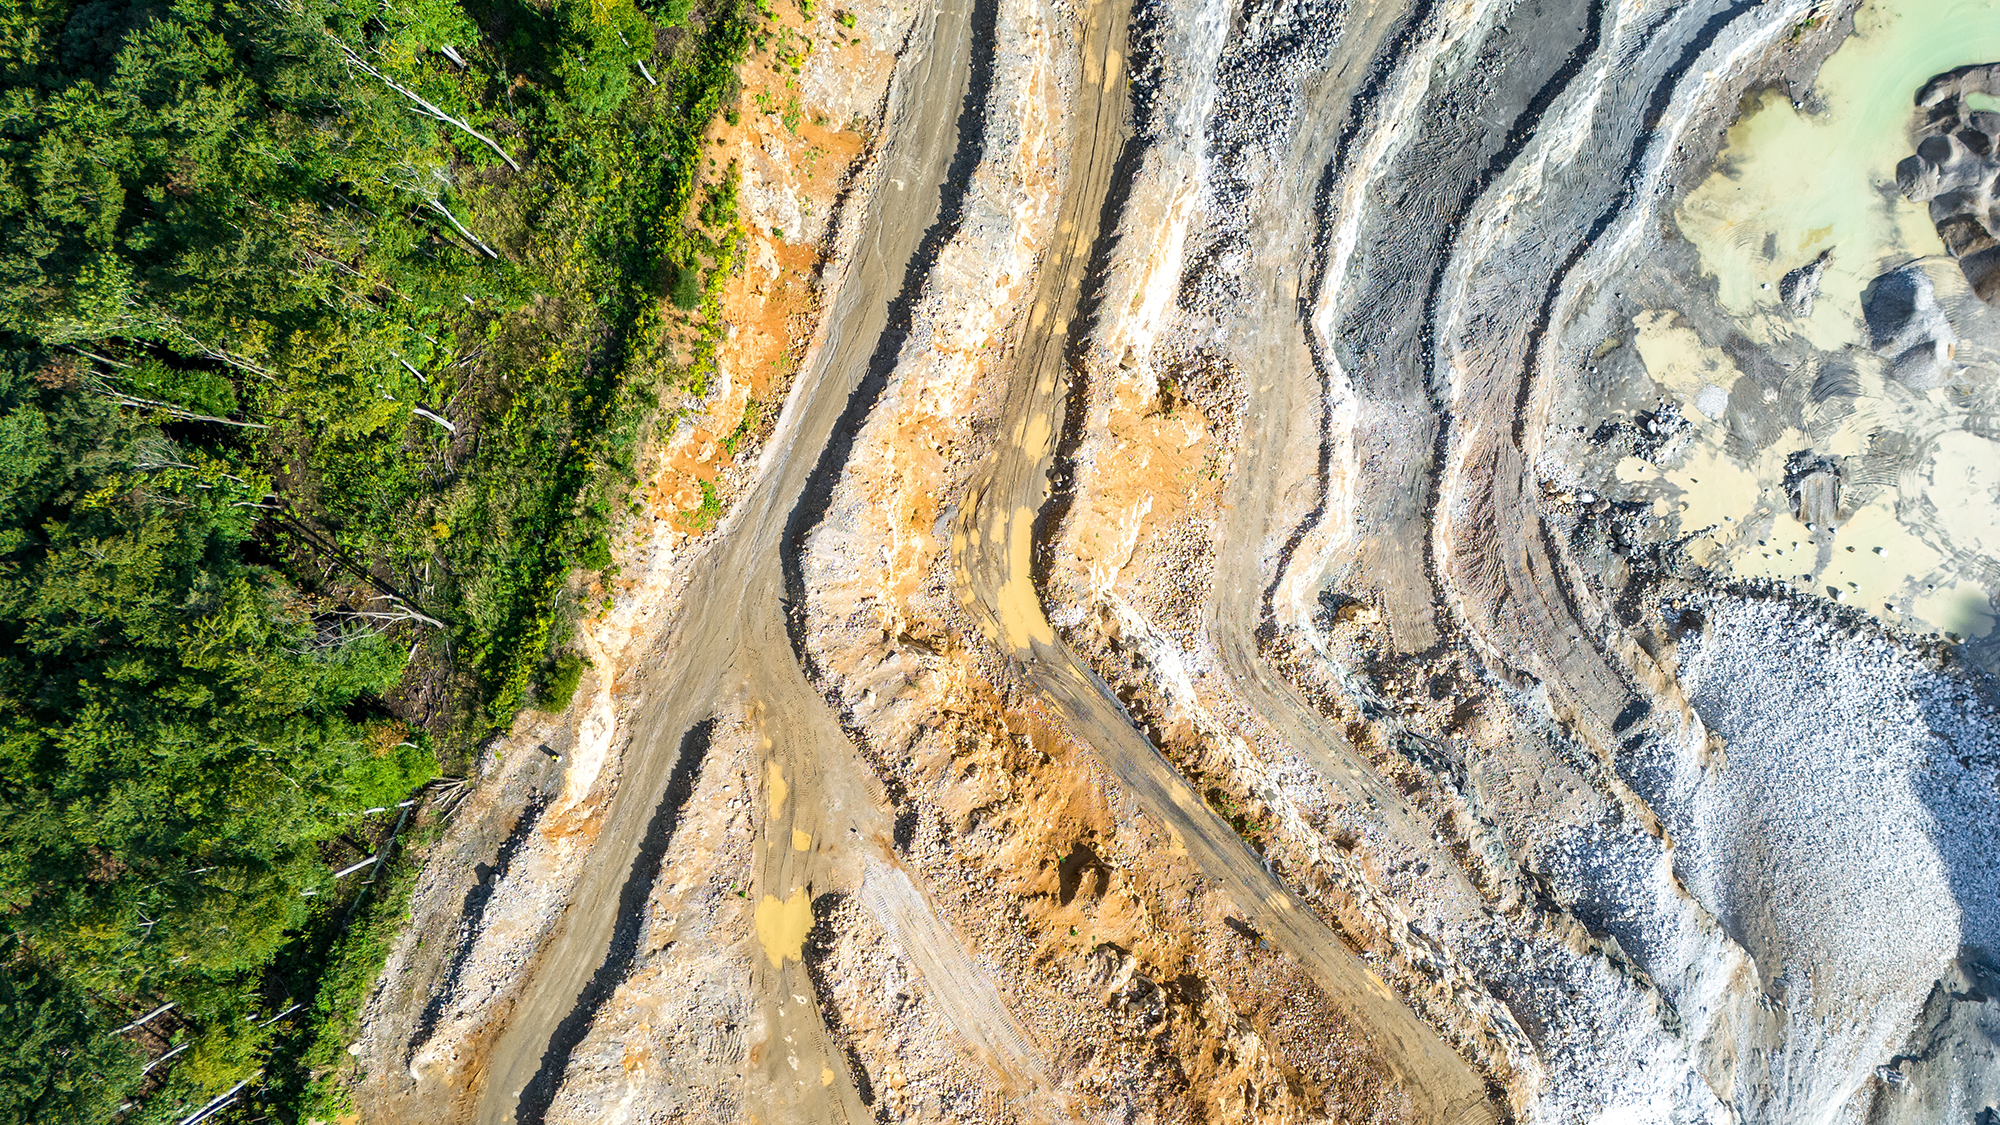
point(1801, 183)
point(1788, 186)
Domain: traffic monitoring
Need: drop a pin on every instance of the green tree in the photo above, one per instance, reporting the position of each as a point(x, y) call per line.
point(314, 314)
point(177, 735)
point(59, 1062)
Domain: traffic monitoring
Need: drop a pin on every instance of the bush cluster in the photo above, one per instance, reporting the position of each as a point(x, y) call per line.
point(328, 332)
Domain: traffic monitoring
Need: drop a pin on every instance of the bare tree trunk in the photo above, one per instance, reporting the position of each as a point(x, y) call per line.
point(165, 1057)
point(123, 399)
point(141, 1021)
point(642, 62)
point(460, 227)
point(221, 1100)
point(439, 419)
point(402, 612)
point(104, 359)
point(428, 109)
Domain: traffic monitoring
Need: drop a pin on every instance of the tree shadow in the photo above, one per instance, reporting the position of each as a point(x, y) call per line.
point(540, 1092)
point(476, 898)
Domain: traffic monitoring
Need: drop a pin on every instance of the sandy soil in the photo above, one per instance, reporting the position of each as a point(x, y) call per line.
point(1270, 569)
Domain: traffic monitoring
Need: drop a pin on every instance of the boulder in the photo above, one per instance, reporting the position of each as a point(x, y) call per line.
point(1799, 288)
point(1943, 151)
point(1955, 84)
point(1918, 180)
point(1902, 310)
point(1955, 169)
point(1908, 327)
point(1964, 234)
point(1922, 367)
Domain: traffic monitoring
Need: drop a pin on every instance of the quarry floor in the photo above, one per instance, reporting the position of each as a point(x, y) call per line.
point(1218, 615)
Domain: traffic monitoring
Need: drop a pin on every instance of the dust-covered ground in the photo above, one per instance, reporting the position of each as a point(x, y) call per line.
point(1357, 562)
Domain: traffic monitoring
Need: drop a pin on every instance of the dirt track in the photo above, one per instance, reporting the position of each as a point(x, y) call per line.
point(994, 544)
point(731, 639)
point(1406, 647)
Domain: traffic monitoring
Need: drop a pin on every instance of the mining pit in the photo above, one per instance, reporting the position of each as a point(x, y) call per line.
point(1308, 561)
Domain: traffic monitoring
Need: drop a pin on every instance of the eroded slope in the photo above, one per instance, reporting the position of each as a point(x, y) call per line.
point(1203, 645)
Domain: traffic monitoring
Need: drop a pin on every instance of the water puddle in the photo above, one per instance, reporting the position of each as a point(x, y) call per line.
point(1792, 184)
point(1910, 550)
point(1020, 607)
point(775, 779)
point(782, 926)
point(1916, 535)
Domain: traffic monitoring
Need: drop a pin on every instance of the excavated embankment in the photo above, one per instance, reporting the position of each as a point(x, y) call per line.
point(1229, 624)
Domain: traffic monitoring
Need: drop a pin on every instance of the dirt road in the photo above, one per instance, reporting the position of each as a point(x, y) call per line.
point(731, 638)
point(995, 543)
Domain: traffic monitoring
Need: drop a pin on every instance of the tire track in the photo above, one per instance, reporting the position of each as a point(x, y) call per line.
point(1518, 536)
point(963, 993)
point(540, 1092)
point(993, 548)
point(732, 634)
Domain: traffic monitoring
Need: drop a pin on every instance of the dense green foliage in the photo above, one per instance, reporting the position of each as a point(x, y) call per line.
point(58, 1062)
point(305, 1075)
point(327, 330)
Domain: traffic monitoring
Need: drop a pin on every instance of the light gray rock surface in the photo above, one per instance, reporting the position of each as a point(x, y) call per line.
point(1908, 327)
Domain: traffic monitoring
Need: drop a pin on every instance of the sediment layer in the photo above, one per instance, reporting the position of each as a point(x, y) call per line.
point(1179, 656)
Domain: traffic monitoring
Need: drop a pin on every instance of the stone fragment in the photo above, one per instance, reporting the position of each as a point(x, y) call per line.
point(1799, 288)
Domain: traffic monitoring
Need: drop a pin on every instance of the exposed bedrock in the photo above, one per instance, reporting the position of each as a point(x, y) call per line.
point(1336, 481)
point(1724, 950)
point(1553, 210)
point(1479, 180)
point(1191, 669)
point(1955, 169)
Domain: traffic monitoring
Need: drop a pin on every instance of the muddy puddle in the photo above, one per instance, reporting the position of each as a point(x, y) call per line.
point(1793, 183)
point(1904, 519)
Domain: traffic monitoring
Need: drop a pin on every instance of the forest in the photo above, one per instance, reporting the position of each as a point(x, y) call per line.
point(329, 332)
